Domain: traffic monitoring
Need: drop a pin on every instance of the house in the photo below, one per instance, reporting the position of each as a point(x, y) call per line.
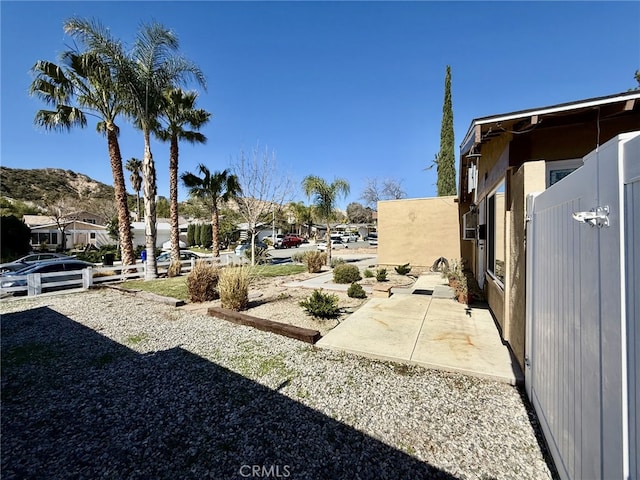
point(505, 157)
point(163, 231)
point(80, 229)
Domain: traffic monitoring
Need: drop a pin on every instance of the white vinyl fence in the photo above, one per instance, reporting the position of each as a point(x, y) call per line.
point(582, 359)
point(37, 283)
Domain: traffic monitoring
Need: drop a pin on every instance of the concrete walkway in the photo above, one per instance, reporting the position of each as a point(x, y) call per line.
point(423, 325)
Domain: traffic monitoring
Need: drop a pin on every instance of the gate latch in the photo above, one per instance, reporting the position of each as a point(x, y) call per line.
point(596, 217)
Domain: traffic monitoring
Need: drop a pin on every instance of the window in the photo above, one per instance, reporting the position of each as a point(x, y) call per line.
point(89, 220)
point(495, 233)
point(469, 222)
point(92, 235)
point(559, 169)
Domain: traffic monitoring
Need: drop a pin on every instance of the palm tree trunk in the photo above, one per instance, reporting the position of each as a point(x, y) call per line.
point(215, 229)
point(328, 244)
point(149, 175)
point(124, 226)
point(173, 206)
point(138, 205)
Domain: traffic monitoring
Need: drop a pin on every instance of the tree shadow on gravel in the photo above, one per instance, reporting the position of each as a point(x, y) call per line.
point(76, 404)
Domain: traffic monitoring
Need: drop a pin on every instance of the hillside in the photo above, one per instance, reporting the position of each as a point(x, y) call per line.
point(35, 184)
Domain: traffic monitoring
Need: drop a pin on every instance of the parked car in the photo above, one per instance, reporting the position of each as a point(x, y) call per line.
point(184, 255)
point(18, 278)
point(373, 239)
point(240, 249)
point(21, 263)
point(289, 241)
point(349, 237)
point(336, 244)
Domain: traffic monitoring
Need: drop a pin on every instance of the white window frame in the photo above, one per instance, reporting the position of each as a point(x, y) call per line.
point(565, 166)
point(491, 236)
point(469, 224)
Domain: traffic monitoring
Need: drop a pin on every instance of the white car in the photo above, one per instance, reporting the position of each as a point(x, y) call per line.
point(336, 244)
point(349, 237)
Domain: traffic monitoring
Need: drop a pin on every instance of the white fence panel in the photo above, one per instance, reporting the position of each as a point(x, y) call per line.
point(632, 276)
point(576, 360)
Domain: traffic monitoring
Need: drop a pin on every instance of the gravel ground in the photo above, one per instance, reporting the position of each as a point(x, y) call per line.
point(105, 385)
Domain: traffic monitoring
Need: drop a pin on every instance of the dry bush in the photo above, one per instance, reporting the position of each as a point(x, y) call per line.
point(315, 261)
point(202, 282)
point(175, 268)
point(234, 287)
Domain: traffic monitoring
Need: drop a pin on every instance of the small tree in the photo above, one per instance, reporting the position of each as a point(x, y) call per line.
point(197, 234)
point(15, 237)
point(206, 237)
point(191, 234)
point(264, 189)
point(324, 199)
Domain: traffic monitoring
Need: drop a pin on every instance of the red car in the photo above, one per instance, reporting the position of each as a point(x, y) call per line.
point(289, 241)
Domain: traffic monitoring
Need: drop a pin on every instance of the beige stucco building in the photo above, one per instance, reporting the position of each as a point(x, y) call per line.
point(503, 158)
point(418, 231)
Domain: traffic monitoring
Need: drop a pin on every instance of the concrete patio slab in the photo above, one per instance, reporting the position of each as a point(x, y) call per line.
point(379, 331)
point(428, 330)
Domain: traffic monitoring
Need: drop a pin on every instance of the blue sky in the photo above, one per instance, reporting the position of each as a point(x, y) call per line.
point(349, 89)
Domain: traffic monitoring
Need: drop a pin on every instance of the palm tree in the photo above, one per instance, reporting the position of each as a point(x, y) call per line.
point(212, 188)
point(134, 165)
point(81, 86)
point(303, 215)
point(179, 114)
point(324, 199)
point(152, 67)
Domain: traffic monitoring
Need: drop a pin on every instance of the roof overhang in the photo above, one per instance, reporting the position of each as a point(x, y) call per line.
point(532, 117)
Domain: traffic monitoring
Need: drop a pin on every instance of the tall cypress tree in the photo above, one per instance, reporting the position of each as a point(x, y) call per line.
point(446, 157)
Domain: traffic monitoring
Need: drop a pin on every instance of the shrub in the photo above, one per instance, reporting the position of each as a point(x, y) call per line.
point(454, 272)
point(403, 269)
point(368, 273)
point(335, 261)
point(321, 305)
point(202, 282)
point(381, 275)
point(261, 256)
point(298, 257)
point(315, 261)
point(346, 274)
point(175, 268)
point(356, 291)
point(234, 287)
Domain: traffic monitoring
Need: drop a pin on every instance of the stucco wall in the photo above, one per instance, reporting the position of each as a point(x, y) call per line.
point(527, 179)
point(418, 231)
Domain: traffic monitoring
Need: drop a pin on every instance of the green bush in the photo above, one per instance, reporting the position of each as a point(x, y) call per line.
point(346, 273)
point(356, 291)
point(368, 273)
point(381, 275)
point(403, 269)
point(335, 261)
point(315, 261)
point(321, 305)
point(202, 282)
point(233, 286)
point(15, 237)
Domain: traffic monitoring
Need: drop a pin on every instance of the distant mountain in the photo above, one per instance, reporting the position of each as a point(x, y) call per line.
point(35, 184)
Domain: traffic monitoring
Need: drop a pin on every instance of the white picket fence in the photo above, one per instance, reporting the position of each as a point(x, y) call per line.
point(38, 283)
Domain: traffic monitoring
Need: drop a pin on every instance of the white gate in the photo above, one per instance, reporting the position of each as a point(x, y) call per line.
point(583, 313)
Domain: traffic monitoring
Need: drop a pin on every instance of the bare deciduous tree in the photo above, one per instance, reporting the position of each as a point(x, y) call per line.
point(264, 189)
point(386, 189)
